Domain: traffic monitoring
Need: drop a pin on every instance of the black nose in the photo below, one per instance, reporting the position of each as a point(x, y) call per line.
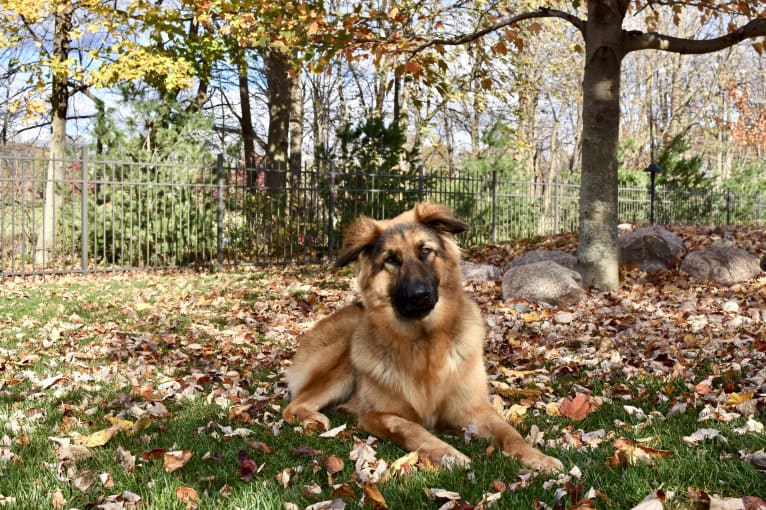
point(416, 298)
point(422, 294)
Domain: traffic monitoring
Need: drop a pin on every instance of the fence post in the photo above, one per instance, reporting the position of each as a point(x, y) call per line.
point(84, 212)
point(728, 206)
point(330, 213)
point(421, 178)
point(494, 206)
point(219, 229)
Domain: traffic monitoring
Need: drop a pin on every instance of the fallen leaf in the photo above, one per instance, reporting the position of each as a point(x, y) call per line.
point(284, 477)
point(578, 408)
point(334, 504)
point(101, 437)
point(334, 464)
point(126, 460)
point(58, 500)
point(173, 461)
point(187, 495)
point(629, 453)
point(751, 426)
point(50, 381)
point(248, 468)
point(156, 453)
point(703, 435)
point(84, 481)
point(373, 495)
point(333, 432)
point(403, 465)
point(654, 501)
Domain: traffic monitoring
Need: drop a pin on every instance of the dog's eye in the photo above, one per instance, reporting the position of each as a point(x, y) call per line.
point(425, 251)
point(391, 260)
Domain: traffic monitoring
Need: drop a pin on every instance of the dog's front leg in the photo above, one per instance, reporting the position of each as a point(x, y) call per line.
point(491, 425)
point(413, 437)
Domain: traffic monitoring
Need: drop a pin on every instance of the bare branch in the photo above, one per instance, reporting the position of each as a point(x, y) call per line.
point(635, 40)
point(505, 22)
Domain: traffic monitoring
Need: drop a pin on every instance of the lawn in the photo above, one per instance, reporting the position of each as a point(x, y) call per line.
point(163, 391)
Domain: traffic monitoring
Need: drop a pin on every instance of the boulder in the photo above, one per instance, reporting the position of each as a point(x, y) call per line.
point(651, 248)
point(725, 265)
point(479, 272)
point(557, 256)
point(544, 281)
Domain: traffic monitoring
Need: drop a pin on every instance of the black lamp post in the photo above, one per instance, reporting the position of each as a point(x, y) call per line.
point(653, 170)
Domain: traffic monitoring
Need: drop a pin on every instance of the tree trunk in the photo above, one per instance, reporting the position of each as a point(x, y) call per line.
point(277, 68)
point(296, 124)
point(597, 249)
point(246, 120)
point(46, 239)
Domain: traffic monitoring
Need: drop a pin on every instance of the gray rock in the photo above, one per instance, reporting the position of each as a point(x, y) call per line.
point(545, 281)
point(563, 317)
point(725, 265)
point(479, 272)
point(651, 248)
point(730, 306)
point(561, 258)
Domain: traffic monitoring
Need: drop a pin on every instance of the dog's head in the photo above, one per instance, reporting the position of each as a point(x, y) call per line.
point(407, 260)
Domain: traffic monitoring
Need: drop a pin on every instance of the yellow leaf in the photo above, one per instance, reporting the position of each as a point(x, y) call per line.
point(101, 437)
point(530, 317)
point(735, 399)
point(512, 374)
point(552, 409)
point(119, 423)
point(141, 424)
point(142, 307)
point(403, 465)
point(516, 411)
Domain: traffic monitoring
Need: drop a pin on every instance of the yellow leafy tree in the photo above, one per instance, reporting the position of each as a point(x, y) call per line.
point(71, 46)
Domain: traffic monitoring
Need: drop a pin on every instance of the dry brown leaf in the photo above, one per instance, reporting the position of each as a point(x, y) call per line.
point(578, 408)
point(173, 461)
point(283, 478)
point(84, 481)
point(58, 500)
point(188, 496)
point(629, 453)
point(334, 464)
point(373, 496)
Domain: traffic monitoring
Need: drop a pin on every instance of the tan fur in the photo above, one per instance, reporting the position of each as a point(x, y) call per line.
point(402, 376)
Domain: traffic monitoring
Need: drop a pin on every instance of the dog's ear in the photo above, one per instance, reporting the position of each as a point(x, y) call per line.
point(359, 235)
point(439, 217)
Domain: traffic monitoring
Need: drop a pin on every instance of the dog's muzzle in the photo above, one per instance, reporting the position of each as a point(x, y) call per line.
point(416, 299)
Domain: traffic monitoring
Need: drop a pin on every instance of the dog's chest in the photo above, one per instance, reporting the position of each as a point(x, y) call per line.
point(423, 373)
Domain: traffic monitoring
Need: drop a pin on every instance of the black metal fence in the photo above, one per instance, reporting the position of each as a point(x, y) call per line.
point(120, 215)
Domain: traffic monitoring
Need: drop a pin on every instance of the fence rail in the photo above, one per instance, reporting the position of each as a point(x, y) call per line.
point(121, 215)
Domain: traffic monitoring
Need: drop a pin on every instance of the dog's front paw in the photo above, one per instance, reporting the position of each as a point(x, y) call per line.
point(550, 465)
point(447, 457)
point(309, 420)
point(541, 462)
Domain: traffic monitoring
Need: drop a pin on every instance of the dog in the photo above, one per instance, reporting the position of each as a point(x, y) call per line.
point(409, 356)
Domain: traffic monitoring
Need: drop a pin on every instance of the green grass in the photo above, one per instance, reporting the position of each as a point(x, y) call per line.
point(202, 343)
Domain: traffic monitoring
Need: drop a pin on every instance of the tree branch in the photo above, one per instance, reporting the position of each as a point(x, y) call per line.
point(505, 22)
point(635, 40)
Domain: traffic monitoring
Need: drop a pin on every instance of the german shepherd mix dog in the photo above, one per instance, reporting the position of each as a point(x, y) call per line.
point(409, 356)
